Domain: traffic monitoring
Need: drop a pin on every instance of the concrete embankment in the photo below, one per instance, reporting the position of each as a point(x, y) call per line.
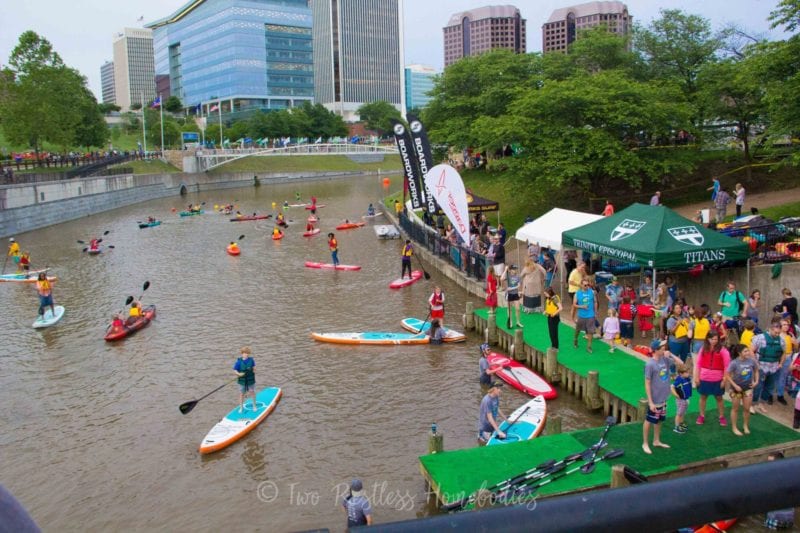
point(30, 206)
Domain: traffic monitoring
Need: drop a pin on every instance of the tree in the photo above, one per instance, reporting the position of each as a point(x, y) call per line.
point(787, 14)
point(136, 106)
point(91, 129)
point(106, 108)
point(173, 104)
point(378, 116)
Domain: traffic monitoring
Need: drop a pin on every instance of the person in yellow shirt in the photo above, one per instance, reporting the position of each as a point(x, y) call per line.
point(135, 313)
point(45, 291)
point(575, 278)
point(749, 332)
point(13, 250)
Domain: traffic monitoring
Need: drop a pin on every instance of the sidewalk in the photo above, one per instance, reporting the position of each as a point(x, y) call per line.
point(759, 200)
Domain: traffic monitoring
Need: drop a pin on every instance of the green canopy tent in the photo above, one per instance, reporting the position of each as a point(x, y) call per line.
point(656, 237)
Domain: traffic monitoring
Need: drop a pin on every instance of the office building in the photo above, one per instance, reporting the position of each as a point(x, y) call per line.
point(134, 74)
point(107, 82)
point(358, 54)
point(477, 31)
point(563, 26)
point(243, 55)
point(419, 83)
point(163, 86)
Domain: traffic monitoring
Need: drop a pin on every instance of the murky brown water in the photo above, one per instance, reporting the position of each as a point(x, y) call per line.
point(92, 438)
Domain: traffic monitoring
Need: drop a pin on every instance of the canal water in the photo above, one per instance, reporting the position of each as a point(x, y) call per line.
point(92, 438)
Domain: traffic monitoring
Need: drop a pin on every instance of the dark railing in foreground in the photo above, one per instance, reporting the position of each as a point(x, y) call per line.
point(471, 263)
point(656, 506)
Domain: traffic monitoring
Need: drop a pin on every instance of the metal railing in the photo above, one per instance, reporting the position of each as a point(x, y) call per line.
point(209, 159)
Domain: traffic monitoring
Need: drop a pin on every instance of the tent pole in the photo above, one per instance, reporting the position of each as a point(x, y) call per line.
point(748, 276)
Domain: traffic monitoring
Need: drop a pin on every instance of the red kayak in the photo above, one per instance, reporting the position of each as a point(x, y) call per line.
point(314, 206)
point(405, 282)
point(350, 225)
point(148, 313)
point(233, 250)
point(250, 217)
point(329, 266)
point(311, 233)
point(521, 377)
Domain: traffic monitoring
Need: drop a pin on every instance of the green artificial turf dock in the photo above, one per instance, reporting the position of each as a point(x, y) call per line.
point(458, 473)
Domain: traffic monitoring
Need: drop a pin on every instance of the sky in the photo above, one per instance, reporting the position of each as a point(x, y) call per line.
point(81, 32)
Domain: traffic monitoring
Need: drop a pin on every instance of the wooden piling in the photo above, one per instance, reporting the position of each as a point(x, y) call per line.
point(483, 500)
point(553, 425)
point(435, 442)
point(519, 346)
point(593, 400)
point(491, 331)
point(618, 477)
point(469, 322)
point(641, 409)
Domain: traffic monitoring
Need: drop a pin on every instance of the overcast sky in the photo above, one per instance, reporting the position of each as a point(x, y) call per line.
point(81, 31)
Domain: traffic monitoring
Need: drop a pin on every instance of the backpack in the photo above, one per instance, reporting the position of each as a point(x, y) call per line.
point(739, 300)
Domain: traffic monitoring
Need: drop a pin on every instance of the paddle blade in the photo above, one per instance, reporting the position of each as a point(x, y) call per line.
point(633, 476)
point(187, 407)
point(106, 232)
point(128, 300)
point(610, 421)
point(84, 249)
point(145, 286)
point(427, 276)
point(111, 246)
point(99, 241)
point(81, 242)
point(241, 237)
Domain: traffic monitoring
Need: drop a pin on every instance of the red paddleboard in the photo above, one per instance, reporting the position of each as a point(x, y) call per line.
point(311, 233)
point(721, 525)
point(233, 250)
point(330, 266)
point(350, 225)
point(405, 282)
point(314, 206)
point(521, 377)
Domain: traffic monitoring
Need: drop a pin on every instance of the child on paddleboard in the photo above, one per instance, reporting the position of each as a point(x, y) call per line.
point(333, 246)
point(245, 368)
point(45, 291)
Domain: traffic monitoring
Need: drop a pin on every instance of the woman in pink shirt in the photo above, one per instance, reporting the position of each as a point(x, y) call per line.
point(709, 371)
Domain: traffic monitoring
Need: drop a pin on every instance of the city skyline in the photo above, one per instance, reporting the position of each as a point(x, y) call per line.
point(83, 37)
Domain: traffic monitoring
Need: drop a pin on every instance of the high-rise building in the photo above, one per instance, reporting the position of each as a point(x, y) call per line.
point(242, 55)
point(358, 54)
point(562, 27)
point(107, 82)
point(419, 83)
point(476, 31)
point(134, 74)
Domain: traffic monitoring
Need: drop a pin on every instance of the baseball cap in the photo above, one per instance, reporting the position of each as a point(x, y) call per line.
point(613, 278)
point(484, 346)
point(718, 313)
point(356, 487)
point(658, 343)
point(496, 384)
point(11, 239)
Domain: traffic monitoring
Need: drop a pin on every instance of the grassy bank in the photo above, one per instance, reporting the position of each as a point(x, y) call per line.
point(152, 166)
point(309, 163)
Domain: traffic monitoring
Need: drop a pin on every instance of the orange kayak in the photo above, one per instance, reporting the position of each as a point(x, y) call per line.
point(350, 225)
point(233, 250)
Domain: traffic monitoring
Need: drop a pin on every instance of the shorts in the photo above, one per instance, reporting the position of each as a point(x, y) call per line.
point(657, 416)
point(710, 388)
point(585, 324)
point(499, 269)
point(682, 406)
point(16, 258)
point(512, 297)
point(532, 303)
point(437, 314)
point(46, 300)
point(626, 330)
point(745, 393)
point(244, 387)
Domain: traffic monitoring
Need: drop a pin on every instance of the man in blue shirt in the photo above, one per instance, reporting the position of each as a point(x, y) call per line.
point(584, 305)
point(359, 511)
point(488, 421)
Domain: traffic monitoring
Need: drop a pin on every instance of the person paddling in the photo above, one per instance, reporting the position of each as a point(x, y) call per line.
point(135, 313)
point(94, 245)
point(45, 291)
point(312, 219)
point(370, 211)
point(245, 368)
point(13, 250)
point(280, 220)
point(408, 251)
point(276, 233)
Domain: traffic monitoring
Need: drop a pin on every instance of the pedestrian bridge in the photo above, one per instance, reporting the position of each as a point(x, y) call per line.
point(210, 159)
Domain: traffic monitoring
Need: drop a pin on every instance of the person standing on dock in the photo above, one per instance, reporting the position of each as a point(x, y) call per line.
point(488, 422)
point(657, 387)
point(552, 308)
point(584, 312)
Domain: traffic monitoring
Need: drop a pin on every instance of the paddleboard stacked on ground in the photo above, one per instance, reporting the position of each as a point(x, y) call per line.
point(414, 324)
point(525, 423)
point(521, 377)
point(386, 231)
point(236, 424)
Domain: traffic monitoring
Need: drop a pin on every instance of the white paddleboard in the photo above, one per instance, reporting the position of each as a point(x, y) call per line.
point(48, 319)
point(525, 423)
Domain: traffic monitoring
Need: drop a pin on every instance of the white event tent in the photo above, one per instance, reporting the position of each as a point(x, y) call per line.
point(547, 229)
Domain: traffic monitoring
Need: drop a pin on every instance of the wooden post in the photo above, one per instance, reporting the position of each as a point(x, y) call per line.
point(641, 410)
point(553, 425)
point(435, 442)
point(618, 477)
point(469, 315)
point(593, 400)
point(492, 329)
point(519, 346)
point(551, 366)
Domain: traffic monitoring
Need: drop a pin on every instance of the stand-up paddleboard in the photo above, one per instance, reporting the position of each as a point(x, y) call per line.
point(377, 214)
point(233, 250)
point(372, 337)
point(26, 277)
point(48, 319)
point(525, 423)
point(414, 324)
point(295, 205)
point(314, 206)
point(236, 425)
point(330, 266)
point(311, 233)
point(405, 282)
point(350, 225)
point(250, 217)
point(521, 377)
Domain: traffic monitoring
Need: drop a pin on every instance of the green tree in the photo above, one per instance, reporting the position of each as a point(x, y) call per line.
point(378, 116)
point(173, 104)
point(136, 106)
point(91, 130)
point(787, 14)
point(106, 108)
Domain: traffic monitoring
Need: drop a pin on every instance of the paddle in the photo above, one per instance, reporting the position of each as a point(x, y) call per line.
point(423, 322)
point(4, 264)
point(424, 272)
point(188, 406)
point(589, 466)
point(512, 423)
point(106, 232)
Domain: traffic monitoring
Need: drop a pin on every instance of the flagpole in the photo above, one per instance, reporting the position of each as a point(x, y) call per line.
point(220, 124)
point(161, 108)
point(144, 130)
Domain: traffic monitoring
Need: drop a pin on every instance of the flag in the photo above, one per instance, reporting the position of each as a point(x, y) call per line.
point(410, 171)
point(421, 150)
point(156, 102)
point(447, 188)
point(213, 108)
point(319, 140)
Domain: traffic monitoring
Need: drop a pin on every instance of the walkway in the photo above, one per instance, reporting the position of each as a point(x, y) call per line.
point(759, 200)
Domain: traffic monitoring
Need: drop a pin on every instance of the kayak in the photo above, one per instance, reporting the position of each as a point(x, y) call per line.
point(277, 237)
point(414, 324)
point(311, 233)
point(48, 319)
point(349, 225)
point(521, 377)
point(312, 206)
point(148, 313)
point(143, 225)
point(405, 282)
point(523, 424)
point(330, 266)
point(94, 251)
point(371, 337)
point(712, 527)
point(233, 250)
point(250, 217)
point(191, 213)
point(236, 425)
point(27, 277)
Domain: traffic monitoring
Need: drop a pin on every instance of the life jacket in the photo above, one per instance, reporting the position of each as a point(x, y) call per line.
point(408, 250)
point(43, 286)
point(711, 361)
point(246, 366)
point(333, 245)
point(682, 329)
point(551, 306)
point(135, 312)
point(436, 301)
point(627, 312)
point(772, 350)
point(701, 328)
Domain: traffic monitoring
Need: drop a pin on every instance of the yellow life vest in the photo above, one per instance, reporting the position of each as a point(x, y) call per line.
point(701, 329)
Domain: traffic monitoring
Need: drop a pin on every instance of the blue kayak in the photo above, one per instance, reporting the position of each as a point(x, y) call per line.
point(149, 224)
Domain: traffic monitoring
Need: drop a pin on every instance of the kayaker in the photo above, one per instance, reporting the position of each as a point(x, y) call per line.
point(286, 203)
point(276, 233)
point(233, 246)
point(408, 251)
point(297, 196)
point(245, 368)
point(436, 304)
point(239, 214)
point(489, 412)
point(94, 244)
point(45, 291)
point(280, 220)
point(151, 219)
point(135, 312)
point(13, 250)
point(117, 324)
point(436, 333)
point(370, 211)
point(357, 507)
point(483, 365)
point(333, 246)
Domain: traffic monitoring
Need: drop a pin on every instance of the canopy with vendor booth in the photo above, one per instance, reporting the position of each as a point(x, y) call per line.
point(546, 230)
point(477, 204)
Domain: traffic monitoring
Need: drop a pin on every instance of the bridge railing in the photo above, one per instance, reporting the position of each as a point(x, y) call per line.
point(212, 158)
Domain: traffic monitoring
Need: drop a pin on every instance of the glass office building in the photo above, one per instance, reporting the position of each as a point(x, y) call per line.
point(240, 54)
point(419, 84)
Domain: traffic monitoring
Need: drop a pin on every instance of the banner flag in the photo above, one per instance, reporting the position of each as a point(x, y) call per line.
point(448, 190)
point(422, 152)
point(412, 177)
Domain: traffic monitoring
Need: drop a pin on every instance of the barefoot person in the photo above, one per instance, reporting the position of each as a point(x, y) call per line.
point(657, 388)
point(45, 291)
point(742, 376)
point(709, 373)
point(245, 368)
